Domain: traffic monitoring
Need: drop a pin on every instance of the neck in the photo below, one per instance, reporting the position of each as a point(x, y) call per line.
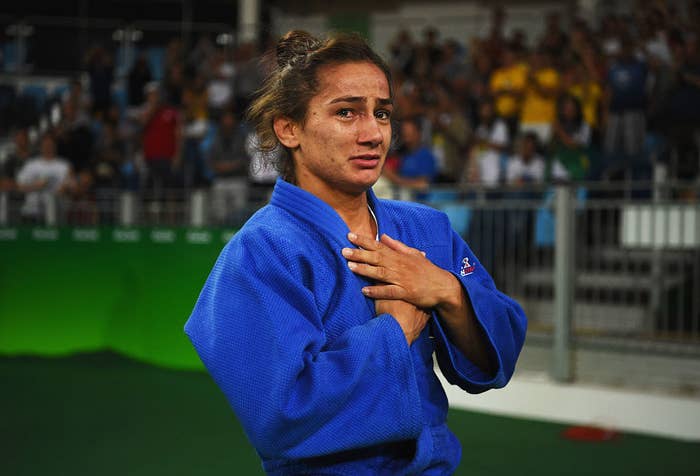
point(356, 216)
point(352, 207)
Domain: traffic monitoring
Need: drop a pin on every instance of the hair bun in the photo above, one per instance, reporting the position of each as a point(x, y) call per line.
point(294, 45)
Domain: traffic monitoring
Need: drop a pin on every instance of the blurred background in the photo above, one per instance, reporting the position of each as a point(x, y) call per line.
point(561, 138)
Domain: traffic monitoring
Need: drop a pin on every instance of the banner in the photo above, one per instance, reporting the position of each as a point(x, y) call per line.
point(67, 290)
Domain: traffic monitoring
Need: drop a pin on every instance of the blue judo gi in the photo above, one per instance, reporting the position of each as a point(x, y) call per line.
point(319, 382)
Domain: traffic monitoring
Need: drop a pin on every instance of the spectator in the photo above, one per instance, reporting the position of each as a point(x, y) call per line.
point(161, 143)
point(572, 135)
point(402, 51)
point(451, 63)
point(195, 102)
point(101, 71)
point(526, 166)
point(229, 160)
point(417, 166)
point(42, 179)
point(139, 77)
point(508, 83)
point(431, 47)
point(248, 76)
point(682, 124)
point(262, 172)
point(479, 82)
point(451, 132)
point(583, 85)
point(554, 40)
point(174, 84)
point(626, 98)
point(107, 166)
point(492, 40)
point(80, 100)
point(220, 87)
point(539, 102)
point(15, 161)
point(75, 142)
point(491, 143)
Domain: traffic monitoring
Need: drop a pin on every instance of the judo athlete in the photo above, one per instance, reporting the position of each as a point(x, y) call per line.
point(320, 318)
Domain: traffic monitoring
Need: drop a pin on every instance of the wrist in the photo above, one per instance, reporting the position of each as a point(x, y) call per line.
point(450, 295)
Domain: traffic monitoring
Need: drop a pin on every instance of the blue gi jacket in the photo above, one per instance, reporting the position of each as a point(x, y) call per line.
point(319, 382)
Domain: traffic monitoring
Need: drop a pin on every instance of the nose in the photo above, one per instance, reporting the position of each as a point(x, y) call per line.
point(370, 132)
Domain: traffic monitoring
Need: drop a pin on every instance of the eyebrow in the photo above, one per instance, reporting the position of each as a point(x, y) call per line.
point(356, 99)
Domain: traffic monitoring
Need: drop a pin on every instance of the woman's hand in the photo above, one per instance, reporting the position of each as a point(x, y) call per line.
point(401, 272)
point(406, 277)
point(411, 319)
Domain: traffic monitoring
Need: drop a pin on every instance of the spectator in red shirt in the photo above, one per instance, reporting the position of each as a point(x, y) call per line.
point(161, 152)
point(161, 141)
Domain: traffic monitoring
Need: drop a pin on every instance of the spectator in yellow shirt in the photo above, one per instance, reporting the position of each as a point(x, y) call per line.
point(586, 88)
point(507, 87)
point(539, 108)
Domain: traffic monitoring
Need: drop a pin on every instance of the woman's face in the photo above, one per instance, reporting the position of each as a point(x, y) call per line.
point(341, 146)
point(569, 109)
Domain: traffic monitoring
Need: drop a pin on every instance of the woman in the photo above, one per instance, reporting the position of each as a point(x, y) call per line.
point(417, 167)
point(571, 141)
point(319, 332)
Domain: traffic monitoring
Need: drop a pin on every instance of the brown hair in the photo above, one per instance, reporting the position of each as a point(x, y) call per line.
point(294, 81)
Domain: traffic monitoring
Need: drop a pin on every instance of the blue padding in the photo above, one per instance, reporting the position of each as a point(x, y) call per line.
point(37, 92)
point(545, 221)
point(156, 61)
point(459, 215)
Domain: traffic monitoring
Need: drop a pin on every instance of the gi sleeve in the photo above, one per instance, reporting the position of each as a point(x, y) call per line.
point(256, 326)
point(501, 318)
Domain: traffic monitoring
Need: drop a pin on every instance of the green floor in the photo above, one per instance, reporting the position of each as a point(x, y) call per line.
point(101, 414)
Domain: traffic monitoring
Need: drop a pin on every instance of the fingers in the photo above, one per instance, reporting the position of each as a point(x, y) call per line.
point(396, 245)
point(364, 242)
point(371, 244)
point(387, 291)
point(361, 256)
point(377, 273)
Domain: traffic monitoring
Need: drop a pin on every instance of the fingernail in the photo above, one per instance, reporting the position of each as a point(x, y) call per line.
point(365, 291)
point(352, 265)
point(352, 236)
point(346, 252)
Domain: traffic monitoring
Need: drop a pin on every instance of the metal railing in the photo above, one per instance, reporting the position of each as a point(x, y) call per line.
point(589, 263)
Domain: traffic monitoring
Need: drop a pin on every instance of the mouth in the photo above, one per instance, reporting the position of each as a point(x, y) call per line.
point(367, 161)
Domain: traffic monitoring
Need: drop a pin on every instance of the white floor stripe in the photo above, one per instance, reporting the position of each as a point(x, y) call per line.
point(535, 396)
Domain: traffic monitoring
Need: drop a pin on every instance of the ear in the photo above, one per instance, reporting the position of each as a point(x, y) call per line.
point(286, 131)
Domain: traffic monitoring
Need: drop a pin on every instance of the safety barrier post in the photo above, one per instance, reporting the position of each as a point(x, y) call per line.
point(564, 283)
point(127, 209)
point(198, 205)
point(4, 209)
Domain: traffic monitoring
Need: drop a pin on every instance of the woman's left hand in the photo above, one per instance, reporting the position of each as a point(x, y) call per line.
point(401, 272)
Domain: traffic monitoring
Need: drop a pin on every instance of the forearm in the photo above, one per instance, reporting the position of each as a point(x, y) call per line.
point(457, 314)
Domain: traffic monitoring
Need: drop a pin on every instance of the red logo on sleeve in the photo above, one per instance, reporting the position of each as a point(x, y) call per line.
point(467, 268)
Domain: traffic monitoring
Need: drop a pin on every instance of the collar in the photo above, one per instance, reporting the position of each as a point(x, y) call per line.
point(310, 209)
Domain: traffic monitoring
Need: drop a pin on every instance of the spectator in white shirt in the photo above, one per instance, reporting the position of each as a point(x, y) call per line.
point(492, 141)
point(43, 179)
point(526, 166)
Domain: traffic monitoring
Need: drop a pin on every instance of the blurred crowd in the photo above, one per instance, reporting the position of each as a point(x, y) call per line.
point(604, 102)
point(612, 101)
point(163, 139)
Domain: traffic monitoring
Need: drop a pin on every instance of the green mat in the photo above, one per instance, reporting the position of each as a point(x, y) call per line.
point(102, 414)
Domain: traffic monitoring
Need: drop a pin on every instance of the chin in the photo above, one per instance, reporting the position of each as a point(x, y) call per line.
point(368, 180)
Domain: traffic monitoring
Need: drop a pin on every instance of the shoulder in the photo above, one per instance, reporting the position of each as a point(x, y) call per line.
point(271, 234)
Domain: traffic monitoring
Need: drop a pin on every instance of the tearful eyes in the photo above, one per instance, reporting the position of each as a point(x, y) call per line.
point(347, 113)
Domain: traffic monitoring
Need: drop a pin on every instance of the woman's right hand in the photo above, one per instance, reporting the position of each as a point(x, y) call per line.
point(411, 319)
